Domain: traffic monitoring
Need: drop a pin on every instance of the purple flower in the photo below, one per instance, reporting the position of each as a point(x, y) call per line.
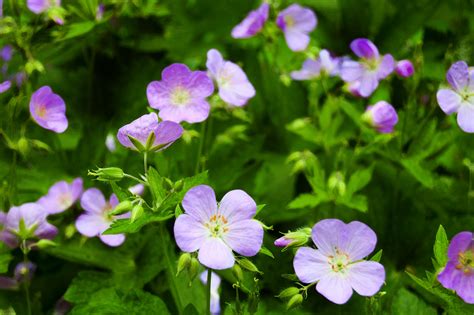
point(24, 271)
point(460, 97)
point(234, 86)
point(6, 53)
point(164, 133)
point(61, 196)
point(296, 238)
point(20, 77)
point(34, 221)
point(40, 6)
point(99, 14)
point(337, 265)
point(282, 242)
point(382, 116)
point(366, 73)
point(458, 275)
point(5, 86)
point(181, 94)
point(404, 68)
point(97, 218)
point(48, 110)
point(110, 142)
point(297, 22)
point(215, 308)
point(253, 22)
point(137, 189)
point(325, 64)
point(216, 230)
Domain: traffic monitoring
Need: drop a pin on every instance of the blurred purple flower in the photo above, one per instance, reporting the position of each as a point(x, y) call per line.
point(364, 75)
point(382, 116)
point(337, 265)
point(234, 86)
point(48, 110)
point(297, 22)
point(460, 97)
point(110, 142)
point(34, 221)
point(24, 271)
point(215, 308)
point(97, 218)
point(165, 132)
point(6, 53)
point(181, 94)
point(216, 230)
point(253, 22)
point(5, 86)
point(100, 12)
point(458, 275)
point(40, 6)
point(314, 68)
point(61, 196)
point(20, 77)
point(137, 189)
point(404, 68)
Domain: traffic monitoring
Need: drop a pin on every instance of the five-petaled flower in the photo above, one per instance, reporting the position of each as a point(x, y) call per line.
point(382, 116)
point(297, 22)
point(48, 110)
point(181, 94)
point(61, 196)
point(460, 97)
point(458, 275)
point(215, 230)
point(337, 265)
point(325, 64)
point(253, 22)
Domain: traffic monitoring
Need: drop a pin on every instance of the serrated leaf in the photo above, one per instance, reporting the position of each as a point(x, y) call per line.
point(157, 189)
point(122, 194)
point(359, 180)
point(424, 176)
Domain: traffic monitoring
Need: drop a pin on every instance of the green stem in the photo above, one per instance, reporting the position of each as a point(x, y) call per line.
point(201, 145)
point(209, 279)
point(26, 284)
point(135, 178)
point(145, 161)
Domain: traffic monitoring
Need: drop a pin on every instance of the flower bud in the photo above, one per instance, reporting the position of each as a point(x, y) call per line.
point(288, 292)
point(336, 183)
point(247, 264)
point(294, 301)
point(296, 238)
point(183, 263)
point(178, 185)
point(381, 116)
point(45, 243)
point(23, 146)
point(237, 272)
point(404, 68)
point(107, 174)
point(137, 212)
point(193, 269)
point(122, 207)
point(69, 231)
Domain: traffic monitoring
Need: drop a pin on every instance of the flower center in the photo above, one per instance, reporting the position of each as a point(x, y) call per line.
point(339, 261)
point(371, 64)
point(41, 111)
point(65, 200)
point(217, 225)
point(466, 261)
point(224, 79)
point(106, 212)
point(180, 96)
point(289, 21)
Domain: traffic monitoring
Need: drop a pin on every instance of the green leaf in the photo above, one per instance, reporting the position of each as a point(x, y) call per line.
point(304, 128)
point(424, 176)
point(377, 256)
point(5, 259)
point(357, 202)
point(406, 302)
point(122, 194)
point(260, 208)
point(85, 284)
point(266, 252)
point(440, 247)
point(157, 188)
point(127, 226)
point(78, 29)
point(305, 201)
point(359, 180)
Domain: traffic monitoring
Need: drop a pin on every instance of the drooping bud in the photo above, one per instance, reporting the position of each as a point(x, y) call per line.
point(45, 243)
point(107, 174)
point(24, 271)
point(288, 292)
point(294, 301)
point(296, 238)
point(183, 263)
point(404, 68)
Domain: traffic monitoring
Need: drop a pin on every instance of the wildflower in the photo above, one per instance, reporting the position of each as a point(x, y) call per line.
point(6, 53)
point(253, 22)
point(234, 86)
point(5, 86)
point(163, 133)
point(24, 272)
point(97, 217)
point(215, 307)
point(25, 222)
point(382, 116)
point(325, 64)
point(99, 14)
point(404, 68)
point(460, 97)
point(297, 22)
point(296, 238)
point(110, 143)
point(458, 275)
point(137, 189)
point(217, 230)
point(364, 75)
point(337, 264)
point(61, 196)
point(48, 110)
point(181, 94)
point(41, 6)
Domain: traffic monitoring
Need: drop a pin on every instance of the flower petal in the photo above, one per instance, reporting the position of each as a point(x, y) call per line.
point(366, 277)
point(158, 94)
point(459, 243)
point(200, 85)
point(311, 69)
point(368, 84)
point(177, 73)
point(458, 75)
point(327, 234)
point(189, 233)
point(113, 240)
point(310, 265)
point(359, 240)
point(448, 100)
point(194, 112)
point(166, 133)
point(93, 200)
point(386, 66)
point(335, 288)
point(296, 40)
point(200, 203)
point(466, 118)
point(245, 237)
point(214, 62)
point(215, 254)
point(237, 205)
point(351, 71)
point(91, 224)
point(46, 230)
point(364, 48)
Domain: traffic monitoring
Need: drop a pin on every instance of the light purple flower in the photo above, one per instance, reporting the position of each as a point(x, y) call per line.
point(40, 6)
point(366, 73)
point(181, 94)
point(297, 22)
point(325, 64)
point(100, 12)
point(137, 189)
point(460, 97)
point(404, 68)
point(97, 218)
point(165, 132)
point(6, 53)
point(48, 110)
point(34, 219)
point(110, 142)
point(337, 265)
point(234, 86)
point(20, 77)
point(458, 275)
point(1, 8)
point(24, 271)
point(215, 230)
point(61, 196)
point(382, 116)
point(215, 308)
point(5, 86)
point(253, 22)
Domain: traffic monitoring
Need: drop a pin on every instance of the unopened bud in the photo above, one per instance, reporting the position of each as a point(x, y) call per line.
point(247, 264)
point(294, 301)
point(296, 238)
point(107, 174)
point(69, 231)
point(237, 272)
point(44, 243)
point(122, 207)
point(23, 146)
point(336, 183)
point(183, 263)
point(193, 269)
point(288, 292)
point(137, 212)
point(178, 185)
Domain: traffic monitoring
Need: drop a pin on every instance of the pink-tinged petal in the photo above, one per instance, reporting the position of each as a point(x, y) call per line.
point(465, 289)
point(448, 100)
point(176, 73)
point(234, 86)
point(351, 70)
point(48, 110)
point(215, 254)
point(305, 20)
point(459, 243)
point(200, 85)
point(140, 129)
point(364, 48)
point(404, 68)
point(93, 200)
point(31, 214)
point(359, 240)
point(200, 203)
point(466, 117)
point(215, 280)
point(137, 189)
point(458, 75)
point(310, 265)
point(5, 86)
point(113, 240)
point(253, 22)
point(296, 40)
point(368, 84)
point(214, 62)
point(194, 112)
point(166, 133)
point(189, 233)
point(158, 94)
point(237, 205)
point(91, 224)
point(335, 287)
point(366, 277)
point(310, 69)
point(386, 66)
point(245, 237)
point(38, 6)
point(328, 234)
